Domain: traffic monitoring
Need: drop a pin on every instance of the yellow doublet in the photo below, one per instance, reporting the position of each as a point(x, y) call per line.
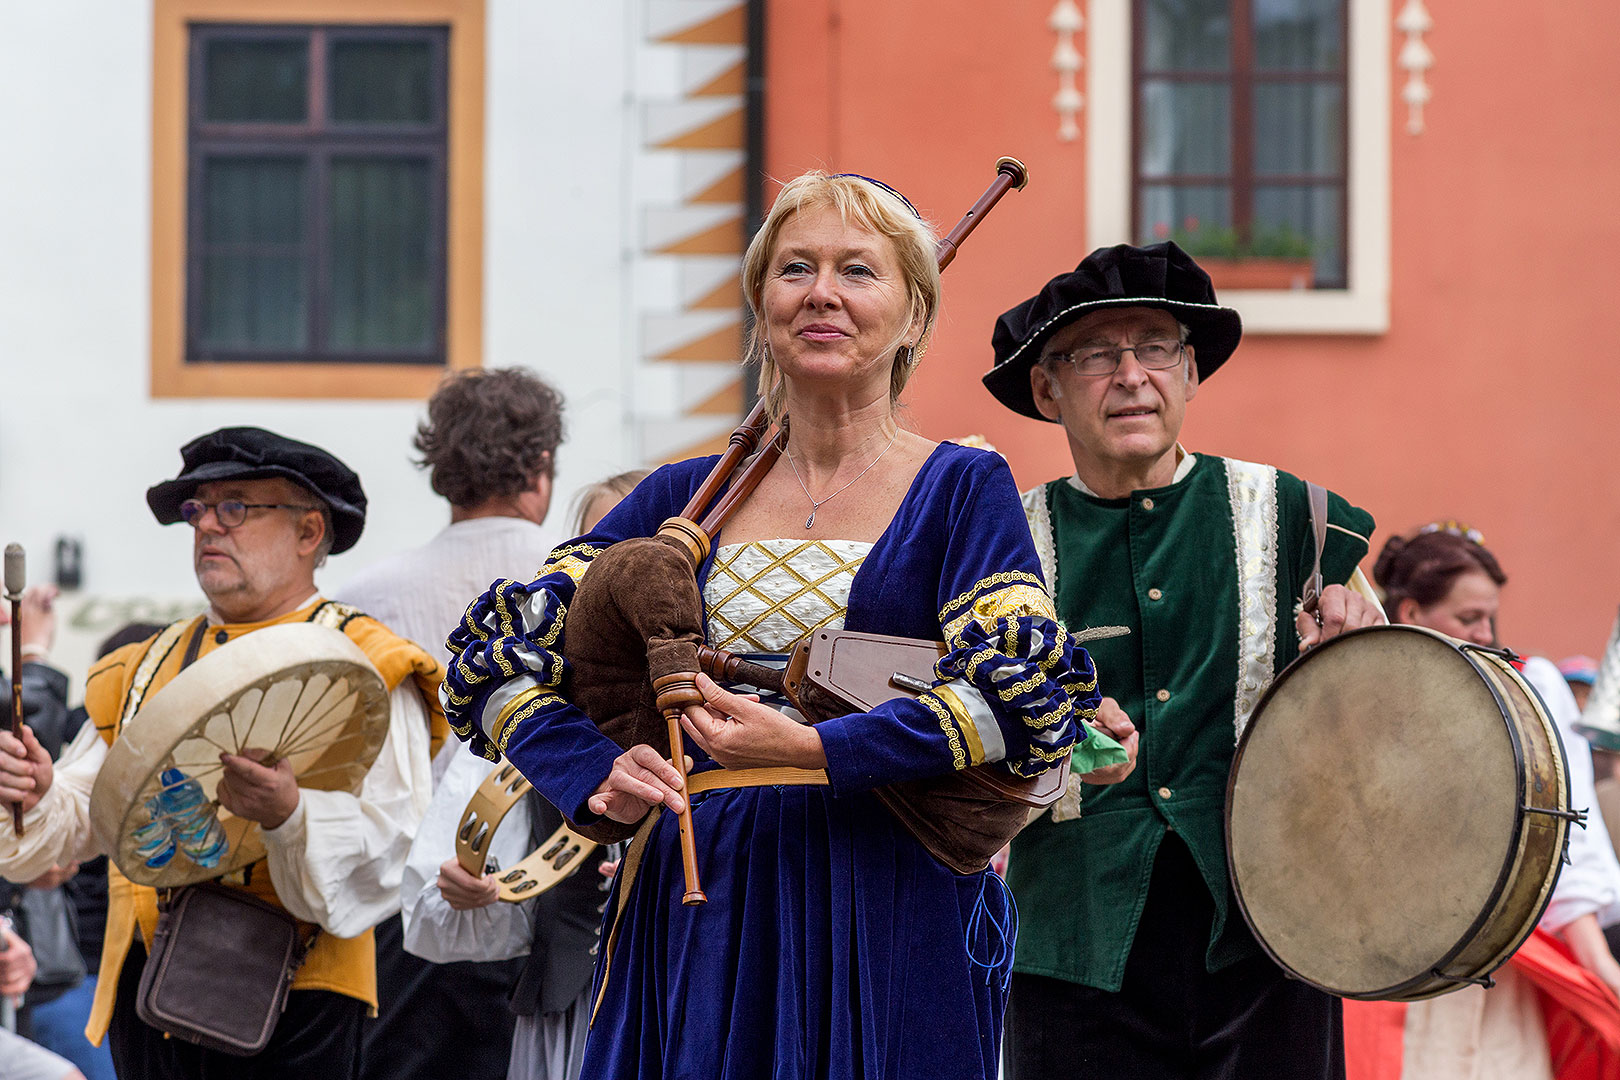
point(117, 685)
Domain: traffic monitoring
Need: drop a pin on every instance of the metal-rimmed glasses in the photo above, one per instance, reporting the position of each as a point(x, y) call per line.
point(229, 512)
point(1155, 355)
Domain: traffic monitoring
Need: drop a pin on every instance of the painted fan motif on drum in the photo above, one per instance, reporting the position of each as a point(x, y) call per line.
point(304, 693)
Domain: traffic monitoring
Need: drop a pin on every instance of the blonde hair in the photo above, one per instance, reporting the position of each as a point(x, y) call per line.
point(869, 206)
point(617, 486)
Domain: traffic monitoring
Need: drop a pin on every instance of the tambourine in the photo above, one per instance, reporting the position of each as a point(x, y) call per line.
point(303, 692)
point(562, 853)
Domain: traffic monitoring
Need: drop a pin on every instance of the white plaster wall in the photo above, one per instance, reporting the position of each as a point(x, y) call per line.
point(80, 436)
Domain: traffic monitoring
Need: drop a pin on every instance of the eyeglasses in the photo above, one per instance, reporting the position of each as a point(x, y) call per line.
point(1455, 528)
point(230, 512)
point(1153, 355)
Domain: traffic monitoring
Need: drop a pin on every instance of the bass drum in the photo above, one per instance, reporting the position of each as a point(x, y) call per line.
point(1396, 814)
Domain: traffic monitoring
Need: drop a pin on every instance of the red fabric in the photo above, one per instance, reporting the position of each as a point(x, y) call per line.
point(1374, 1039)
point(1583, 1018)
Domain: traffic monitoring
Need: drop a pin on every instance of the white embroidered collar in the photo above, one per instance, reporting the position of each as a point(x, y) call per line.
point(1184, 465)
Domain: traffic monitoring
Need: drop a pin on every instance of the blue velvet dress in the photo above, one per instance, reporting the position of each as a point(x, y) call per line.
point(832, 945)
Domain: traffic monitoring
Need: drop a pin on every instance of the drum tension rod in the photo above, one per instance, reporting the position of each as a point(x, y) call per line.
point(1576, 816)
point(1501, 651)
point(1486, 981)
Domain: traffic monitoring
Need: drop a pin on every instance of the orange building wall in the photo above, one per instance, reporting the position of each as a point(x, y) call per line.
point(1493, 397)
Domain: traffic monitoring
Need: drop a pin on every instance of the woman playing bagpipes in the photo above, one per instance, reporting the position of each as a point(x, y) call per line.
point(832, 943)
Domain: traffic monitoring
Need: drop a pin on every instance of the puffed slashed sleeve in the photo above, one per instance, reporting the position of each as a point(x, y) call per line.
point(1013, 687)
point(433, 929)
point(502, 692)
point(57, 830)
point(338, 858)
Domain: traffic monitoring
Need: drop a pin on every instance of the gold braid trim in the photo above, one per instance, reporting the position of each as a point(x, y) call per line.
point(518, 710)
point(1008, 602)
point(572, 560)
point(958, 755)
point(1048, 719)
point(990, 582)
point(969, 729)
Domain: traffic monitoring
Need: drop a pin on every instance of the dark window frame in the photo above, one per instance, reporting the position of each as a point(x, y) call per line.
point(1241, 76)
point(318, 142)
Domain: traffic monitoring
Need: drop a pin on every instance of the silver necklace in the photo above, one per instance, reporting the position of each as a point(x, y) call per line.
point(815, 503)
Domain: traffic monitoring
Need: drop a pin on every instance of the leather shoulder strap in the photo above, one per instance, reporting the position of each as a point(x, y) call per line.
point(1319, 527)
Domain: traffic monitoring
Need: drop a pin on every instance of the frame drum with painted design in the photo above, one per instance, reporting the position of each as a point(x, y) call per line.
point(301, 691)
point(1396, 814)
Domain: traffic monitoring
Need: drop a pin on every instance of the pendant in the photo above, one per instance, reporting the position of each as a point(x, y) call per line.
point(811, 520)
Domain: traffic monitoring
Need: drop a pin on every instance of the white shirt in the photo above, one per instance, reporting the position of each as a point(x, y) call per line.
point(422, 594)
point(336, 860)
point(433, 929)
point(1591, 881)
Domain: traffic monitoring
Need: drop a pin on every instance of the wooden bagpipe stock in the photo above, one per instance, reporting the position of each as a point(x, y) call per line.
point(636, 621)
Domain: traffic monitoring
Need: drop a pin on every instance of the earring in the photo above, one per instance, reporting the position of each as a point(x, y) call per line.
point(905, 356)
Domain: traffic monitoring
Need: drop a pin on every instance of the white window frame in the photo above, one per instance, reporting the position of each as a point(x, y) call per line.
point(1360, 308)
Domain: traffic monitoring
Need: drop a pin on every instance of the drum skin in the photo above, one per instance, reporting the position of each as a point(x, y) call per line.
point(303, 691)
point(1394, 814)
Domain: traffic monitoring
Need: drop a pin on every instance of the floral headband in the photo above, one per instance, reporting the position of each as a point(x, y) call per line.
point(1455, 528)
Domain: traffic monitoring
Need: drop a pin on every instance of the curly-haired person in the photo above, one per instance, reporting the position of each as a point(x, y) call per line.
point(489, 443)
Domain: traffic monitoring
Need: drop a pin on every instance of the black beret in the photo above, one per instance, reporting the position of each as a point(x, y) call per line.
point(250, 453)
point(1158, 276)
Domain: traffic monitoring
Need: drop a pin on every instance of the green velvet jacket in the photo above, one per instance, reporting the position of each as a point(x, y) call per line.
point(1206, 574)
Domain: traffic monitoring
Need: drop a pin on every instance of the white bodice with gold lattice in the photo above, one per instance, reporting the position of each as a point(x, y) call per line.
point(764, 595)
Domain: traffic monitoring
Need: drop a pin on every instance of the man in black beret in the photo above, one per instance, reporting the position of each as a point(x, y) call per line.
point(1132, 958)
point(264, 510)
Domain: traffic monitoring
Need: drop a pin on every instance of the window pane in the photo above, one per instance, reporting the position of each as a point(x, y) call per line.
point(1188, 35)
point(1198, 217)
point(253, 291)
point(381, 239)
point(257, 81)
point(1299, 35)
point(1186, 128)
point(382, 82)
point(1298, 128)
point(1297, 220)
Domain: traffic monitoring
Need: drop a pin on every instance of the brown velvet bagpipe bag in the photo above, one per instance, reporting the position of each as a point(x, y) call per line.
point(635, 637)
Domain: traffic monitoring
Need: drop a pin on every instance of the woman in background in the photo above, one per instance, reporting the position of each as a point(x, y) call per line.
point(1442, 577)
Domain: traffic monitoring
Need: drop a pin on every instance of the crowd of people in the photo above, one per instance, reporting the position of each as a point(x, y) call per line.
point(1116, 627)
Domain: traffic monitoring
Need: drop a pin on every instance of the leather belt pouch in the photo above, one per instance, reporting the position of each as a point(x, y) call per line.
point(221, 964)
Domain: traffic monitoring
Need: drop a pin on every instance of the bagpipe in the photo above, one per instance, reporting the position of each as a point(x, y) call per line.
point(635, 644)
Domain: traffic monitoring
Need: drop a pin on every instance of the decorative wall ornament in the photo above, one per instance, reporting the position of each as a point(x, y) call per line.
point(1414, 22)
point(1066, 21)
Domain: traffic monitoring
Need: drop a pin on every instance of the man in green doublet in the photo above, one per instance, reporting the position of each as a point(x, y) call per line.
point(1132, 958)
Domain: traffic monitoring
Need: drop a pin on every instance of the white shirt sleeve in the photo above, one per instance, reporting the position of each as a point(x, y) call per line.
point(1591, 881)
point(337, 859)
point(57, 831)
point(433, 929)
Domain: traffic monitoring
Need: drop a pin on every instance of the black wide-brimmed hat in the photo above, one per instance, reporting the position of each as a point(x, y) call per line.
point(1158, 276)
point(250, 453)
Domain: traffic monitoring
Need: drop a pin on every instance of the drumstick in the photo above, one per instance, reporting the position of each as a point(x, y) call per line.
point(16, 577)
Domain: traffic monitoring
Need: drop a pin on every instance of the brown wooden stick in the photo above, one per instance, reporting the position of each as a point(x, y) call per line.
point(1010, 173)
point(675, 693)
point(743, 442)
point(15, 578)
